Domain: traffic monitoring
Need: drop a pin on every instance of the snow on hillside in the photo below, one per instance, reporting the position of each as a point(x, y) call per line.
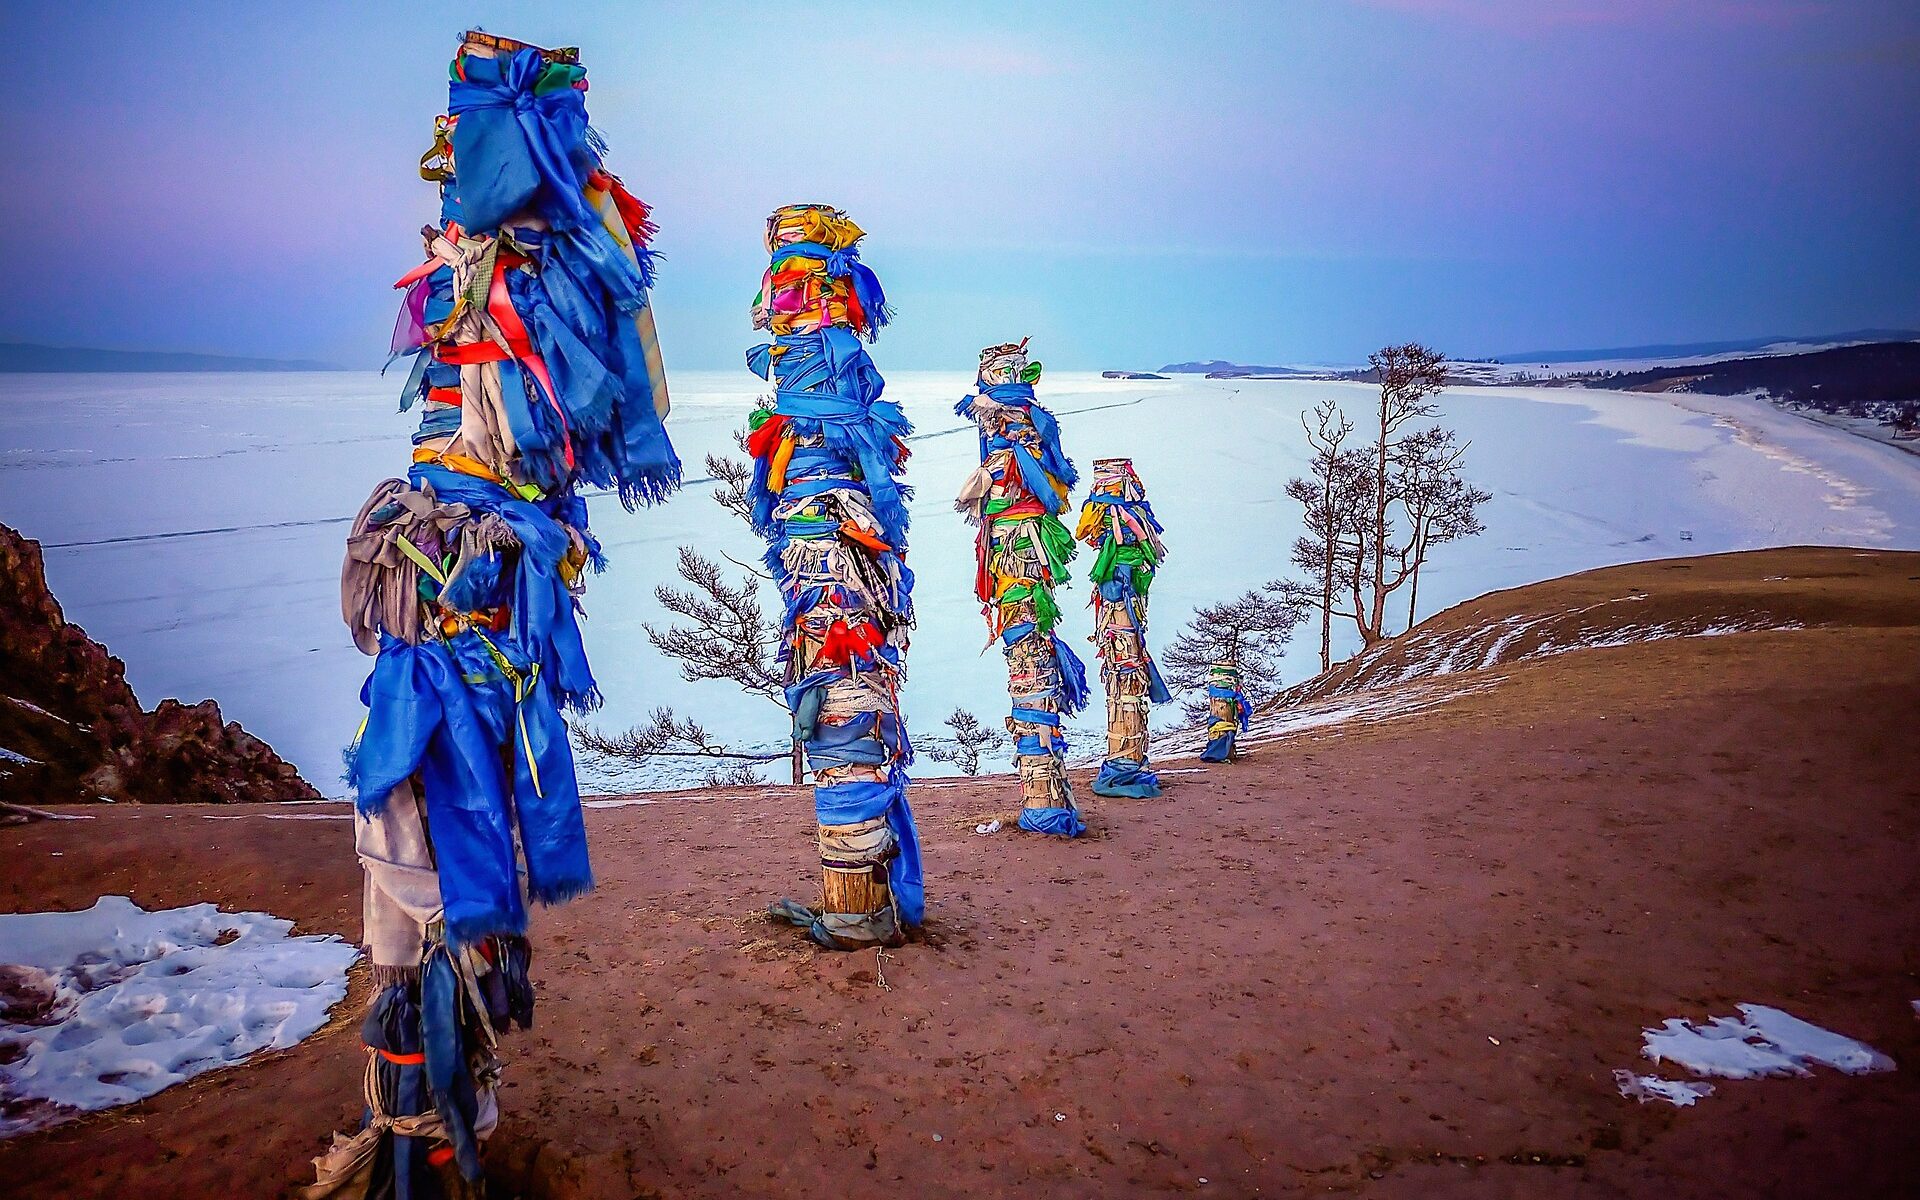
point(194, 523)
point(1408, 675)
point(1523, 637)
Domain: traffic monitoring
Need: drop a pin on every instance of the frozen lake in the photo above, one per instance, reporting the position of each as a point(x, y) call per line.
point(193, 523)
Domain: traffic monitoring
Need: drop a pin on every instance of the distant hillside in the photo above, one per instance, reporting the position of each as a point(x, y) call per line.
point(23, 357)
point(1846, 379)
point(1612, 637)
point(1218, 366)
point(1694, 349)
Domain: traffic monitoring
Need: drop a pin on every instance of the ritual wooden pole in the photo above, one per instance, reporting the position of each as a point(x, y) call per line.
point(1118, 520)
point(1015, 497)
point(462, 579)
point(1227, 711)
point(827, 452)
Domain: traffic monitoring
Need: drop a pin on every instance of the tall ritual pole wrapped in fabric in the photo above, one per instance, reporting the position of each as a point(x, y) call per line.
point(1228, 712)
point(1118, 520)
point(537, 375)
point(827, 455)
point(1015, 497)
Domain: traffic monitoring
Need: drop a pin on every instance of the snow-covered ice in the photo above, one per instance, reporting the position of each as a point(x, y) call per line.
point(111, 1004)
point(194, 522)
point(1761, 1042)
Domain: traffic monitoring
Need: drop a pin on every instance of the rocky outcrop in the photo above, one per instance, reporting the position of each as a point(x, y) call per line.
point(71, 729)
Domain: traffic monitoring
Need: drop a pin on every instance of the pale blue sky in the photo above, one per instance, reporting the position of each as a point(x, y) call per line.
point(1286, 181)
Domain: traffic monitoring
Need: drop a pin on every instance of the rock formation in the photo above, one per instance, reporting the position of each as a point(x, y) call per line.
point(71, 729)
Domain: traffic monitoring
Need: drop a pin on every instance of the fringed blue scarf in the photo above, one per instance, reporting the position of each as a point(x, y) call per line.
point(1073, 693)
point(599, 368)
point(446, 710)
point(825, 384)
point(1052, 464)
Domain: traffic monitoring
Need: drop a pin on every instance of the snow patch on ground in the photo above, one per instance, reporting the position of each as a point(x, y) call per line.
point(1760, 1043)
point(111, 1004)
point(1676, 1092)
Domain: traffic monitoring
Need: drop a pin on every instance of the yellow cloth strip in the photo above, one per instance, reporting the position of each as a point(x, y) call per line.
point(1090, 517)
point(457, 462)
point(777, 465)
point(522, 688)
point(421, 560)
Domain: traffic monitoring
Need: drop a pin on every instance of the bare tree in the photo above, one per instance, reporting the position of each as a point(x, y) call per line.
point(1409, 377)
point(666, 735)
point(729, 637)
point(1440, 506)
point(1250, 631)
point(723, 634)
point(1374, 511)
point(970, 738)
point(1328, 495)
point(734, 477)
point(733, 775)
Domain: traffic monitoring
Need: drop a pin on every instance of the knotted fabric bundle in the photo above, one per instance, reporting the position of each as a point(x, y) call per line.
point(1118, 521)
point(1015, 498)
point(530, 315)
point(827, 452)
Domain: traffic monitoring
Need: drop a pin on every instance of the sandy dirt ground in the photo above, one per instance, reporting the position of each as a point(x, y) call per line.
point(1400, 961)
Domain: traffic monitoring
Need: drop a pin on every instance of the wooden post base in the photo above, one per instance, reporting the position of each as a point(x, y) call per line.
point(854, 889)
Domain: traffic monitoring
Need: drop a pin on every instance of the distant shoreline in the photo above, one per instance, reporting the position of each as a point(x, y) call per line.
point(26, 358)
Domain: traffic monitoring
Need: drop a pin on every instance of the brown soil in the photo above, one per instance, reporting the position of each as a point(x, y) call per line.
point(1396, 962)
